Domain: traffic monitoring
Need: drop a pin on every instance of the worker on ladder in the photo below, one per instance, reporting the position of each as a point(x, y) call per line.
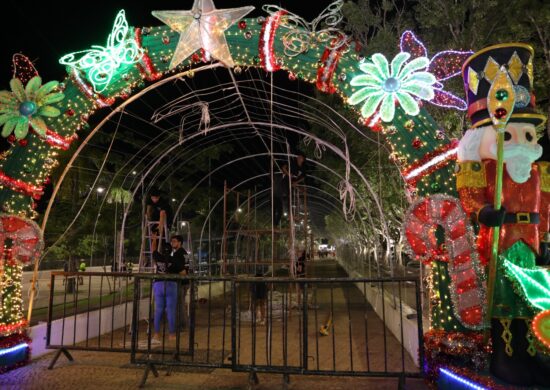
point(158, 217)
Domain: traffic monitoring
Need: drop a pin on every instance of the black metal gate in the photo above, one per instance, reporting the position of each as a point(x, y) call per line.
point(313, 326)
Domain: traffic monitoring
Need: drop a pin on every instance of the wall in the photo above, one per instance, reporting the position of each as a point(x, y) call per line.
point(392, 313)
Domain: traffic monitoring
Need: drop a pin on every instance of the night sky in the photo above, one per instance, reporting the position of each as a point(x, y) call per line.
point(47, 30)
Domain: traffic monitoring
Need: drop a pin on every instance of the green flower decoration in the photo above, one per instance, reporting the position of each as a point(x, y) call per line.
point(22, 107)
point(382, 84)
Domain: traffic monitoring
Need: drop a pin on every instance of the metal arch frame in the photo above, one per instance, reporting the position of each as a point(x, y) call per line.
point(253, 124)
point(329, 146)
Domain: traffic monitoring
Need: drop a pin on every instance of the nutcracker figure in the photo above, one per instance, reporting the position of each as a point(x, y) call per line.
point(525, 198)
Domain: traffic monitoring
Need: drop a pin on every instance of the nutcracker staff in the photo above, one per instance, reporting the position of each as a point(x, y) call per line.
point(525, 196)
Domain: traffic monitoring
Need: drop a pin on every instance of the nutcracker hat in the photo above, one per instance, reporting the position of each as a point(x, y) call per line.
point(480, 70)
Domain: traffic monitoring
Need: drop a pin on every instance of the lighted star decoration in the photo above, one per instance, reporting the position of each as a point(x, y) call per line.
point(202, 27)
point(382, 84)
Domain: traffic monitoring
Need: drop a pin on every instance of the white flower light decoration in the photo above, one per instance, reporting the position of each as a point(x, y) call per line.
point(382, 84)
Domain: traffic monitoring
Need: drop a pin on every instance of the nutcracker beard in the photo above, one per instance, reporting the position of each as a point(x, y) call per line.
point(518, 159)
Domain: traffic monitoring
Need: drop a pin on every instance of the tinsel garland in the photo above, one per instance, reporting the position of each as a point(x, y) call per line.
point(9, 329)
point(445, 349)
point(12, 341)
point(329, 62)
point(20, 186)
point(431, 162)
point(267, 36)
point(467, 286)
point(145, 65)
point(57, 141)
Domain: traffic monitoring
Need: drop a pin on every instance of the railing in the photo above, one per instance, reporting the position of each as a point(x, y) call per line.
point(89, 311)
point(202, 323)
point(339, 326)
point(291, 326)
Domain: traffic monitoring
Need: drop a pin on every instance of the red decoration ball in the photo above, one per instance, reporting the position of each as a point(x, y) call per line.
point(23, 142)
point(292, 76)
point(166, 40)
point(417, 143)
point(500, 113)
point(11, 138)
point(195, 58)
point(377, 127)
point(70, 112)
point(242, 24)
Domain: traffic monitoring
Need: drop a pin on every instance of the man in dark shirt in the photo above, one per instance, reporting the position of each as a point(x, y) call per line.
point(299, 170)
point(173, 262)
point(158, 210)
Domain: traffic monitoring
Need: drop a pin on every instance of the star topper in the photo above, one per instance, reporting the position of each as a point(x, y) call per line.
point(202, 27)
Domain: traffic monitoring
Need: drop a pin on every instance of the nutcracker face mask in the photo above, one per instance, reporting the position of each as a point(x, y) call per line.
point(520, 149)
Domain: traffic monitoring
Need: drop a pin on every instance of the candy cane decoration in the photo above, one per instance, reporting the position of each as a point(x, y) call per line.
point(25, 235)
point(467, 285)
point(20, 242)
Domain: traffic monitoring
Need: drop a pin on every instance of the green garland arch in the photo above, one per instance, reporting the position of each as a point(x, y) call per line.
point(26, 166)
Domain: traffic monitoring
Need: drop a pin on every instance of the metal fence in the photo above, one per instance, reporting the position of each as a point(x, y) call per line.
point(257, 325)
point(89, 311)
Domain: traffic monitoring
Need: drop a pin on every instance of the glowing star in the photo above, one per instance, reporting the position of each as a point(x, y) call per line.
point(202, 27)
point(383, 84)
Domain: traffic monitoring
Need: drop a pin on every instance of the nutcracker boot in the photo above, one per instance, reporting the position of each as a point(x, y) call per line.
point(510, 360)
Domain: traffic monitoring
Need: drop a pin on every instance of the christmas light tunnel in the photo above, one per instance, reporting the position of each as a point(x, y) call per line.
point(42, 120)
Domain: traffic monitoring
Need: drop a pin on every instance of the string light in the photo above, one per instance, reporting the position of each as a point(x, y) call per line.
point(462, 381)
point(157, 45)
point(420, 227)
point(13, 349)
point(443, 65)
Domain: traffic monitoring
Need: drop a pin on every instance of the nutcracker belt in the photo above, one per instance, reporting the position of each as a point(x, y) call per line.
point(522, 218)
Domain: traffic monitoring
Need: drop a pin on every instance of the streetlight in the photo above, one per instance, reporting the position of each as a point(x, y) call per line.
point(100, 190)
point(134, 173)
point(239, 210)
point(173, 199)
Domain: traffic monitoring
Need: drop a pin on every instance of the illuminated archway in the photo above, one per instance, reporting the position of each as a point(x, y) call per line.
point(41, 120)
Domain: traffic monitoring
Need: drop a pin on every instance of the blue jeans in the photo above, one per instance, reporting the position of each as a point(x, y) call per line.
point(166, 297)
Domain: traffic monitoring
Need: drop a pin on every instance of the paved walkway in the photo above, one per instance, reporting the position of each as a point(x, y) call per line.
point(101, 370)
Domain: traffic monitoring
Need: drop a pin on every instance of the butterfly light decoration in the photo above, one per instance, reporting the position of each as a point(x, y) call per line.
point(443, 65)
point(302, 34)
point(101, 63)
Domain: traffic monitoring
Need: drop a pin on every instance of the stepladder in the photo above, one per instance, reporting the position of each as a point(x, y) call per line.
point(155, 236)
